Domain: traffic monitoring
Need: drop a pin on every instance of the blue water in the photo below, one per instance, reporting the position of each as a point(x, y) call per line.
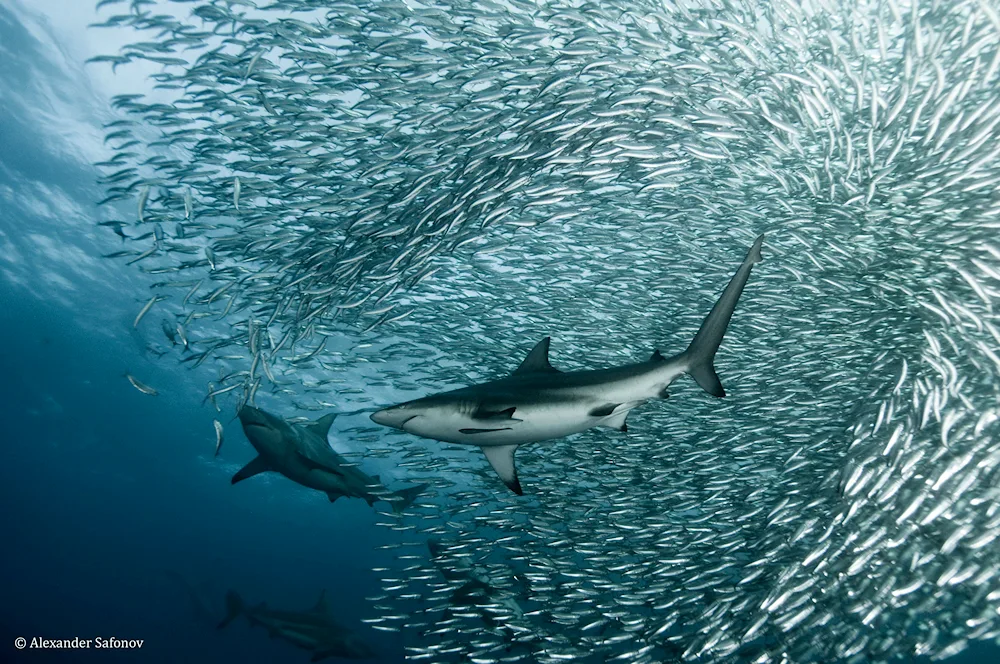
point(107, 492)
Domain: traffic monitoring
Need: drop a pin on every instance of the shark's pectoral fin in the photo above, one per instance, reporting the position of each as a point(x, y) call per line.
point(475, 431)
point(537, 360)
point(487, 414)
point(501, 457)
point(255, 467)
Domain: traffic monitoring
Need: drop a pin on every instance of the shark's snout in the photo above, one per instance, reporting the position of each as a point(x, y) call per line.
point(250, 416)
point(395, 416)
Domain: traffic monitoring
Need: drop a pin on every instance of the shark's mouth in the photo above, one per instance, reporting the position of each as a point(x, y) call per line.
point(254, 425)
point(407, 421)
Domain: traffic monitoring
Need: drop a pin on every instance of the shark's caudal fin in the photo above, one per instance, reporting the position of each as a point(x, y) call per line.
point(701, 353)
point(405, 497)
point(234, 607)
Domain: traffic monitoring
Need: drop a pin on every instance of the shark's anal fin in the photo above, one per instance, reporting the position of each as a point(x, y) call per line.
point(489, 415)
point(475, 431)
point(537, 360)
point(501, 457)
point(657, 356)
point(255, 467)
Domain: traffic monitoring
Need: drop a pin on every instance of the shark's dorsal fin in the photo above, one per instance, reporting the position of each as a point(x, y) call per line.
point(321, 427)
point(501, 457)
point(537, 360)
point(657, 356)
point(321, 606)
point(255, 467)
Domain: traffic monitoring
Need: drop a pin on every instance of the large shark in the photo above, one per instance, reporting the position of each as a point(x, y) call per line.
point(302, 454)
point(312, 629)
point(538, 402)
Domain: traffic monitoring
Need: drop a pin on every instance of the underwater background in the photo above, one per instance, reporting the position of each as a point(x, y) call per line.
point(120, 521)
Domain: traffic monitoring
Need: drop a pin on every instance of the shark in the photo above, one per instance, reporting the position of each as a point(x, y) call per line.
point(473, 588)
point(537, 402)
point(302, 454)
point(312, 629)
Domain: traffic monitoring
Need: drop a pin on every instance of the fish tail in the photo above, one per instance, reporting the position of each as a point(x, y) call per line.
point(234, 607)
point(701, 353)
point(405, 497)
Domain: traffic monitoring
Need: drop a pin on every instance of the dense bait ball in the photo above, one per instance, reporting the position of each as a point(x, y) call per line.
point(407, 195)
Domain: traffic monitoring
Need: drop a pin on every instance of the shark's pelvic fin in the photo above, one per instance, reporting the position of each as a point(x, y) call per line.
point(332, 496)
point(322, 425)
point(501, 457)
point(616, 421)
point(537, 360)
point(701, 353)
point(255, 467)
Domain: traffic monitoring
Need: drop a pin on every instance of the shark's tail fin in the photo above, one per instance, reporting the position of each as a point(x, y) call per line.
point(234, 607)
point(405, 497)
point(701, 353)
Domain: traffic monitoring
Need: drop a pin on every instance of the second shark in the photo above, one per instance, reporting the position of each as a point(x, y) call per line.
point(302, 454)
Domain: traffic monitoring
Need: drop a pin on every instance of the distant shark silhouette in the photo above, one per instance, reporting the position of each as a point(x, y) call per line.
point(303, 455)
point(312, 629)
point(475, 588)
point(538, 402)
point(205, 609)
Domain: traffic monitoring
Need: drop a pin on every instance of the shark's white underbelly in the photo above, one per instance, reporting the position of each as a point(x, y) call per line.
point(529, 425)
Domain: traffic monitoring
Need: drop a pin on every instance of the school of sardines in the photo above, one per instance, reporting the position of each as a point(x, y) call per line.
point(350, 199)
